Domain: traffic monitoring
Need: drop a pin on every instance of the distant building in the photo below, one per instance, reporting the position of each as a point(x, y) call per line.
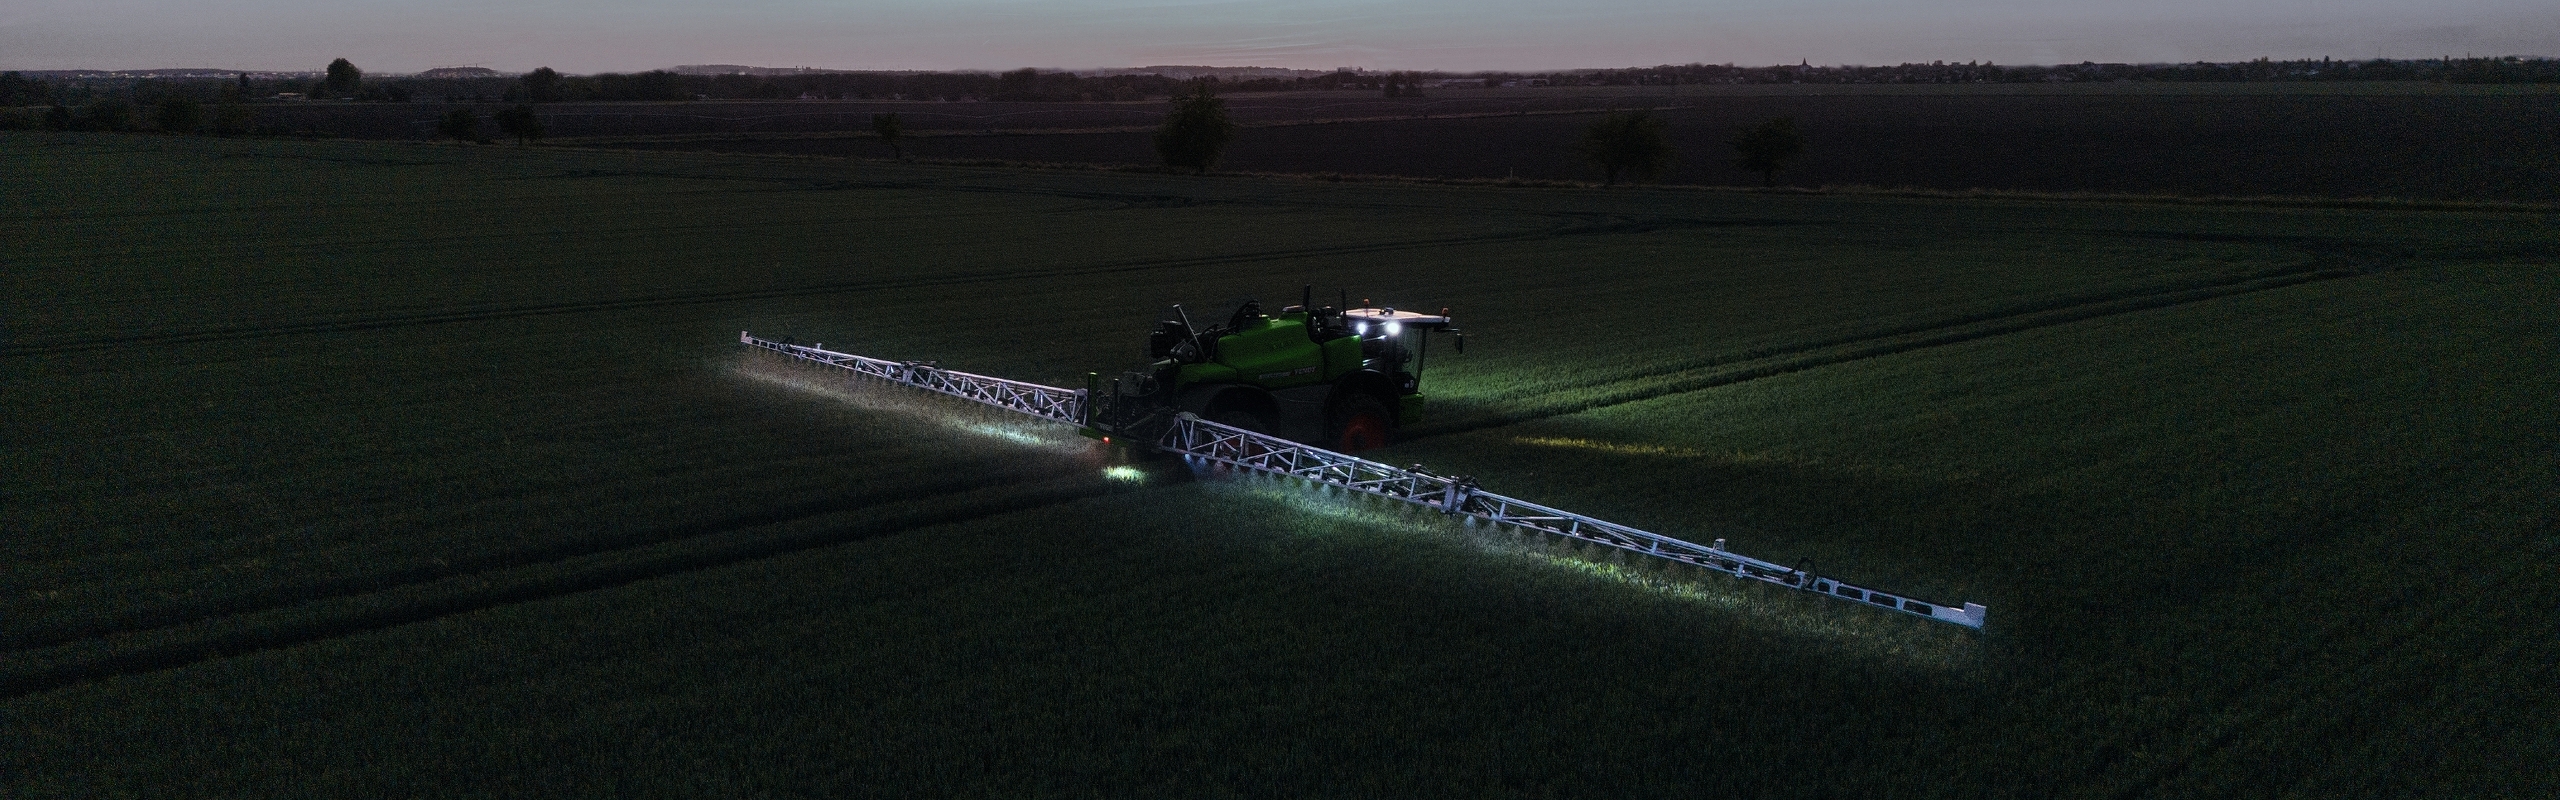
point(462, 72)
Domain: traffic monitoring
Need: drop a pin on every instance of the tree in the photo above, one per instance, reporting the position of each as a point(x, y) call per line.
point(519, 121)
point(343, 77)
point(1402, 85)
point(460, 124)
point(178, 115)
point(885, 126)
point(1195, 131)
point(1634, 143)
point(542, 85)
point(1767, 147)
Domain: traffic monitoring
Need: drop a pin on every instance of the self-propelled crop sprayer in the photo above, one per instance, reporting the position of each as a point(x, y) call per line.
point(1252, 393)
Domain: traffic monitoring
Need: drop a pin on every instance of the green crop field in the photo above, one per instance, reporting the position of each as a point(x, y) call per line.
point(378, 469)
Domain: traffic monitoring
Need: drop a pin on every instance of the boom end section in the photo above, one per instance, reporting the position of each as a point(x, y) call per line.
point(1970, 616)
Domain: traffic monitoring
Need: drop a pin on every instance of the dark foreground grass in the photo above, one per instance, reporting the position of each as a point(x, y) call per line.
point(471, 375)
point(2312, 591)
point(1191, 642)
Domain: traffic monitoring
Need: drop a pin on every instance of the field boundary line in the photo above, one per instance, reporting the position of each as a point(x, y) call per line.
point(607, 141)
point(2358, 203)
point(1663, 384)
point(226, 637)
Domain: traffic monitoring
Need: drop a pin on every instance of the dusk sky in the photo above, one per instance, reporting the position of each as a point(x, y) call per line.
point(583, 36)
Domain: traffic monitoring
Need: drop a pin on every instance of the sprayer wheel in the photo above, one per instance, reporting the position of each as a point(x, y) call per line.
point(1361, 423)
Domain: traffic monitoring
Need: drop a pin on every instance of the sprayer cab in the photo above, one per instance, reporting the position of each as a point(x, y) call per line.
point(1397, 341)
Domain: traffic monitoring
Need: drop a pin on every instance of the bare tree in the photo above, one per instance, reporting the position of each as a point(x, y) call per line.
point(886, 127)
point(1195, 131)
point(1767, 147)
point(519, 121)
point(1634, 143)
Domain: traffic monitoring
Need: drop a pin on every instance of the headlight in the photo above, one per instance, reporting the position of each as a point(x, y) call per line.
point(1395, 329)
point(1363, 328)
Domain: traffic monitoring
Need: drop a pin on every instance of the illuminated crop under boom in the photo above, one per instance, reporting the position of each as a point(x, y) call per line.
point(1202, 441)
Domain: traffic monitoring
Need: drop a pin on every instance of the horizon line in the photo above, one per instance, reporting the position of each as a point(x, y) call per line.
point(1353, 69)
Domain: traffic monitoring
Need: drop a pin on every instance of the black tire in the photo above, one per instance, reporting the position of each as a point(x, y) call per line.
point(1359, 422)
point(1234, 417)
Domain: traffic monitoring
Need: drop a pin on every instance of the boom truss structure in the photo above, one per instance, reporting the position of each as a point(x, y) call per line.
point(1203, 441)
point(1045, 402)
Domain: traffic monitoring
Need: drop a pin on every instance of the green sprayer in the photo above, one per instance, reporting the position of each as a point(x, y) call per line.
point(1345, 378)
point(1293, 394)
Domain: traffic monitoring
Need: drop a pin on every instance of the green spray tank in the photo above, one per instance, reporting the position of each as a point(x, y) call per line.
point(1345, 378)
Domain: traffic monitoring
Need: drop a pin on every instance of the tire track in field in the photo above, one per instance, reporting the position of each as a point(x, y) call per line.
point(224, 637)
point(1770, 362)
point(274, 597)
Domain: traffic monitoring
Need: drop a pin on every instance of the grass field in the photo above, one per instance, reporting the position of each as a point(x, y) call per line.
point(343, 468)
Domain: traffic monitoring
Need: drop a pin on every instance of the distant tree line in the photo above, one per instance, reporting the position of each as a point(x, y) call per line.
point(1022, 85)
point(105, 103)
point(219, 107)
point(2506, 69)
point(1631, 145)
